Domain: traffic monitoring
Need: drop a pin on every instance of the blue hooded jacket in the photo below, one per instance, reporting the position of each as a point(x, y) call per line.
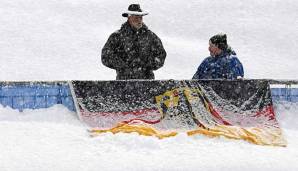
point(224, 66)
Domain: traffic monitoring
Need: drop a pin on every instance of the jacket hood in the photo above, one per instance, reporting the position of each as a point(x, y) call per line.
point(230, 51)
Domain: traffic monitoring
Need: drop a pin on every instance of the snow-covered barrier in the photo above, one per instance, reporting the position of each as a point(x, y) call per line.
point(162, 108)
point(240, 109)
point(35, 95)
point(284, 91)
point(284, 94)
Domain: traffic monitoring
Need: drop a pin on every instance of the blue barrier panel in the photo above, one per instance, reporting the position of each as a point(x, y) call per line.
point(284, 94)
point(35, 95)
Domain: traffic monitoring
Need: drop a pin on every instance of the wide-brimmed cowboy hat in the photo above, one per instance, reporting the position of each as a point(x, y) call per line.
point(134, 9)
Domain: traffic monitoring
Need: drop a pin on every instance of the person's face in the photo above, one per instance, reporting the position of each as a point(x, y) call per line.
point(136, 21)
point(213, 49)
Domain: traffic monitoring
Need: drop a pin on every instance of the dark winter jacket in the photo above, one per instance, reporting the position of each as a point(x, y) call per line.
point(134, 54)
point(224, 66)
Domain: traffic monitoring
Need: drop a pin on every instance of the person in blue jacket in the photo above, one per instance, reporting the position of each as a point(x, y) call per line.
point(222, 62)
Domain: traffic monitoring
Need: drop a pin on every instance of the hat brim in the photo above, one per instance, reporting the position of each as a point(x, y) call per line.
point(127, 13)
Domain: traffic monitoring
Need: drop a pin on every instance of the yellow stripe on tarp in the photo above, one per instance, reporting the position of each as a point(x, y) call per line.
point(254, 135)
point(142, 130)
point(259, 136)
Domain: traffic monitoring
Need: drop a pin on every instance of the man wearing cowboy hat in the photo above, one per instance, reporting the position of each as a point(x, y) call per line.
point(134, 51)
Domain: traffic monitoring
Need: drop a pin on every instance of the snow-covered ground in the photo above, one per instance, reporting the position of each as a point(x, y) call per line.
point(54, 139)
point(62, 40)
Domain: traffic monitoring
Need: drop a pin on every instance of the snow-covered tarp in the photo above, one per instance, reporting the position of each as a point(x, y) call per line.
point(240, 109)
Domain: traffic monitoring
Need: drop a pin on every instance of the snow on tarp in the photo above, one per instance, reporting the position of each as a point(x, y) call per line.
point(234, 109)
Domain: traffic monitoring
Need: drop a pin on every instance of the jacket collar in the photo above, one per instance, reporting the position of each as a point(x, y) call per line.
point(222, 54)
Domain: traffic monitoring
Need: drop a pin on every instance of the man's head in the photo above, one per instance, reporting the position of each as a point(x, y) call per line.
point(135, 15)
point(217, 44)
point(136, 21)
